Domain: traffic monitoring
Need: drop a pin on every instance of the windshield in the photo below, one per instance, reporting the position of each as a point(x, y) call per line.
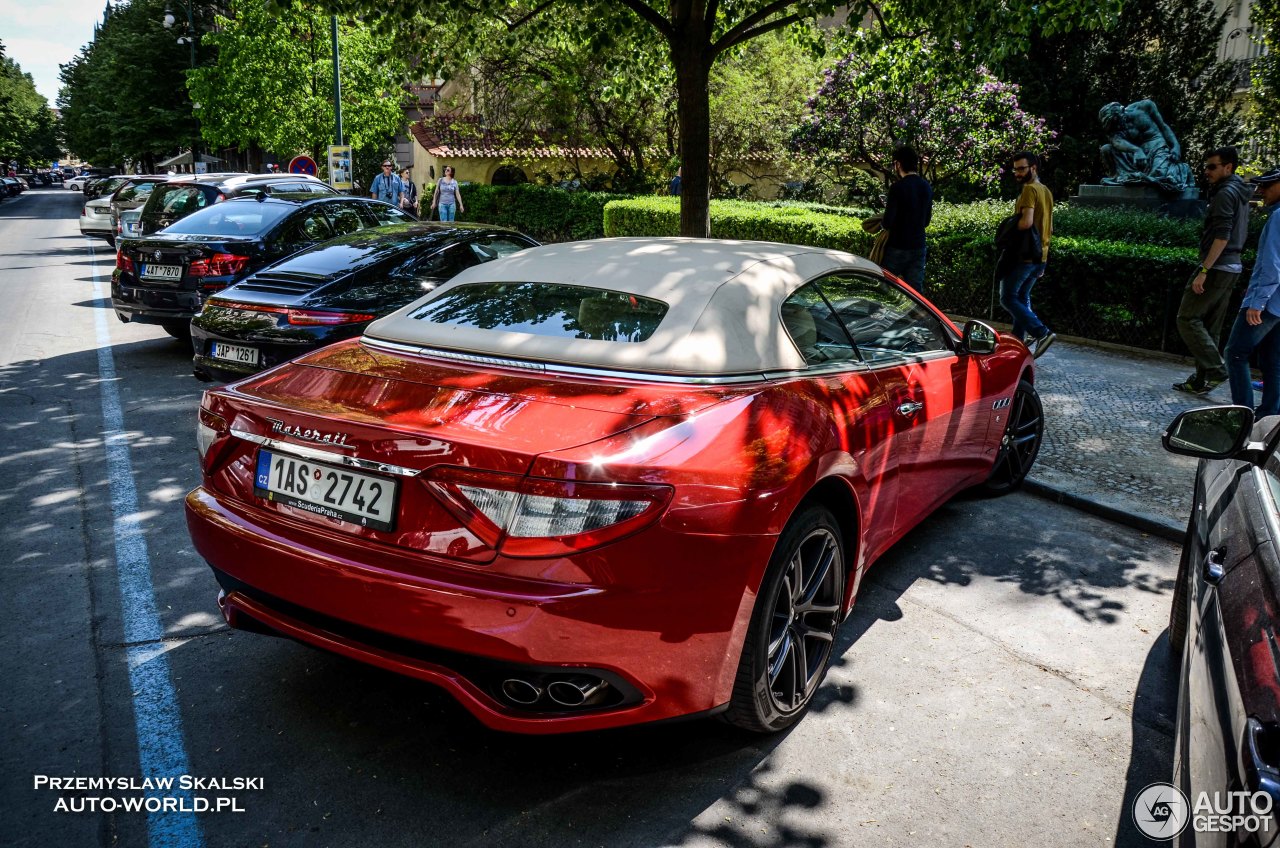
point(232, 219)
point(547, 309)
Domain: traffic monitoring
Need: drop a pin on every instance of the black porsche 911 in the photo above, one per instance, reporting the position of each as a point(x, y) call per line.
point(1223, 631)
point(333, 291)
point(164, 278)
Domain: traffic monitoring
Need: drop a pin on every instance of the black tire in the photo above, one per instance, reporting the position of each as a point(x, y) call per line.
point(1020, 442)
point(1179, 610)
point(792, 633)
point(180, 330)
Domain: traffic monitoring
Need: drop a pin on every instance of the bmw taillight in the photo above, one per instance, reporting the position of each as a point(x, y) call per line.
point(123, 262)
point(218, 265)
point(531, 517)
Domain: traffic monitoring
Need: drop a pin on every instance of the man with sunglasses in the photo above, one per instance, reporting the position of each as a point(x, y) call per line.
point(1204, 302)
point(387, 187)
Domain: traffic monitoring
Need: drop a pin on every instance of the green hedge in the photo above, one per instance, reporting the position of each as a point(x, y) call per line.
point(548, 214)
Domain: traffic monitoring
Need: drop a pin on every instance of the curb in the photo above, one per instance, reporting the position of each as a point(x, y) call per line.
point(1142, 522)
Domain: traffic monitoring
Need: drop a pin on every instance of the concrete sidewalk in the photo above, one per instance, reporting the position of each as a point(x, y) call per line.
point(1105, 410)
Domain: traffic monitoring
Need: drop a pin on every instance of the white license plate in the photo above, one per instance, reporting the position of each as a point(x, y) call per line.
point(161, 272)
point(132, 227)
point(235, 353)
point(341, 493)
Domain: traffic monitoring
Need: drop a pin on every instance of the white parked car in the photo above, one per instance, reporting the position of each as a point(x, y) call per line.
point(76, 183)
point(95, 219)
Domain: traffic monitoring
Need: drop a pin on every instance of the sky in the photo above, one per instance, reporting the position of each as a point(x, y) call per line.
point(41, 34)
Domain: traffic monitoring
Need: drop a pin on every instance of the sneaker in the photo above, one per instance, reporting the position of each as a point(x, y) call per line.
point(1193, 387)
point(1042, 344)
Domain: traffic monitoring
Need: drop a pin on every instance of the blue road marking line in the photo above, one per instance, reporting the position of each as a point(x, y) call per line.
point(162, 748)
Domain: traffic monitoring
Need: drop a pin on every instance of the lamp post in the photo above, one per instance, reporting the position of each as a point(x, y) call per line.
point(188, 38)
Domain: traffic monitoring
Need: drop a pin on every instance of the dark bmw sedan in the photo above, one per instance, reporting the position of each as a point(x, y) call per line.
point(332, 291)
point(164, 278)
point(1223, 629)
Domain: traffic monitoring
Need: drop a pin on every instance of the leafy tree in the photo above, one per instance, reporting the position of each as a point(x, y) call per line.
point(272, 83)
point(1165, 50)
point(1264, 126)
point(964, 123)
point(698, 32)
point(26, 125)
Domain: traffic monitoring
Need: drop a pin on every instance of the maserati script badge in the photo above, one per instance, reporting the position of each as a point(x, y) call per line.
point(306, 434)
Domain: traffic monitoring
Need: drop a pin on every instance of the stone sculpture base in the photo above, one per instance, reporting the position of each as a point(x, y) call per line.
point(1186, 205)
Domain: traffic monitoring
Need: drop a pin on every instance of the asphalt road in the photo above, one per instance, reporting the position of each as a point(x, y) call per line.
point(1003, 680)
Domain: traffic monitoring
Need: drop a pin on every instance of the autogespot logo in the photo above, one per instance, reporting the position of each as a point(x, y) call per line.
point(1161, 811)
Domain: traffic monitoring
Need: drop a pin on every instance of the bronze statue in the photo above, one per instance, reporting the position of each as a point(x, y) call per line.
point(1142, 149)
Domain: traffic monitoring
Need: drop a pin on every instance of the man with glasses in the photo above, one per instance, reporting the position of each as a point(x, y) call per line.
point(1204, 302)
point(1257, 327)
point(387, 187)
point(1018, 272)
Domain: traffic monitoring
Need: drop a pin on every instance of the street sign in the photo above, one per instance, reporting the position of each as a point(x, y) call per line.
point(340, 166)
point(303, 165)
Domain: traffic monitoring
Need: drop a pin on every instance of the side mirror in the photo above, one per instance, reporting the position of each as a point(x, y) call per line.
point(979, 338)
point(1211, 432)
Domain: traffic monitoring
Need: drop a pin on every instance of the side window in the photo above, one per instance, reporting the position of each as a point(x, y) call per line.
point(344, 218)
point(309, 228)
point(815, 329)
point(443, 265)
point(885, 322)
point(385, 214)
point(496, 247)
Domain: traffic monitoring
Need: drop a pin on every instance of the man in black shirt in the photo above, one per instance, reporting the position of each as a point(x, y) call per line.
point(906, 214)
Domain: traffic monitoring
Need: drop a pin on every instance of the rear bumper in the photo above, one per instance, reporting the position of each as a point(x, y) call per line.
point(674, 648)
point(152, 305)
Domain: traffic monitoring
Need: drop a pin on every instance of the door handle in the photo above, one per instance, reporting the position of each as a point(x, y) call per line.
point(910, 408)
point(1213, 568)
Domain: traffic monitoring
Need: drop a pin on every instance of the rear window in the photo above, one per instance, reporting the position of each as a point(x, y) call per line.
point(232, 219)
point(547, 309)
point(135, 191)
point(180, 199)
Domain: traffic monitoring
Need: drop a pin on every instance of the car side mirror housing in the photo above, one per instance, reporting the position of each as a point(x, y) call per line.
point(1211, 432)
point(979, 338)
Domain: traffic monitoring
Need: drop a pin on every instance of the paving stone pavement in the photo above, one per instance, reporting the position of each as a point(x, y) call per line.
point(1105, 411)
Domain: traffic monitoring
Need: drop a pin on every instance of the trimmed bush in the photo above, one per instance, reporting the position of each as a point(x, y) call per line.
point(548, 214)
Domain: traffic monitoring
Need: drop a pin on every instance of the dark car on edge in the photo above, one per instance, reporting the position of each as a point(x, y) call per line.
point(180, 197)
point(332, 291)
point(164, 278)
point(1223, 629)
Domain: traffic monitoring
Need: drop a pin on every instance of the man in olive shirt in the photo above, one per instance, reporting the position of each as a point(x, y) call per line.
point(1034, 208)
point(1205, 300)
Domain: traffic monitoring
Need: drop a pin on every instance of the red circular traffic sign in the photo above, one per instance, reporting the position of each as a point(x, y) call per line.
point(303, 165)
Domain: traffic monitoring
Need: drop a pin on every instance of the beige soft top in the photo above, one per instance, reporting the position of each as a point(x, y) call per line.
point(724, 300)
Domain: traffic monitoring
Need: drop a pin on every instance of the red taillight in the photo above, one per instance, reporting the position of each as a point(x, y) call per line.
point(301, 317)
point(123, 262)
point(218, 265)
point(221, 197)
point(530, 517)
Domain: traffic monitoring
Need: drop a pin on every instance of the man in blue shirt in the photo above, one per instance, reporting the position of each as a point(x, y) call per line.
point(1258, 324)
point(387, 187)
point(907, 211)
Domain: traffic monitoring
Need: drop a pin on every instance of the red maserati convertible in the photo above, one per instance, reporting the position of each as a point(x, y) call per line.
point(608, 482)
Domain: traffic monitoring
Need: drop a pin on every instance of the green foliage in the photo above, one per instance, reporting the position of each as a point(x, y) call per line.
point(26, 124)
point(1264, 94)
point(123, 96)
point(272, 83)
point(548, 214)
point(1162, 50)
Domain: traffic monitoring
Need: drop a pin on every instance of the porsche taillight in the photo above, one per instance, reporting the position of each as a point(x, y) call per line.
point(301, 317)
point(531, 517)
point(123, 262)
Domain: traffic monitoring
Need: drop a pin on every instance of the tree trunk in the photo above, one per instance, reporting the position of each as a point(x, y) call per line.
point(691, 56)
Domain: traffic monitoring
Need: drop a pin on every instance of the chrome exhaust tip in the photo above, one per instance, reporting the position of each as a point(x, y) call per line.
point(576, 691)
point(520, 691)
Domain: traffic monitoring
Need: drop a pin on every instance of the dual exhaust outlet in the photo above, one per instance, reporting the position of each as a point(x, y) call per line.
point(577, 691)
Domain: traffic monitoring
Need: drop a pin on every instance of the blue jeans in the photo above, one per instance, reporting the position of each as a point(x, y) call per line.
point(447, 211)
point(907, 264)
point(1265, 338)
point(1015, 297)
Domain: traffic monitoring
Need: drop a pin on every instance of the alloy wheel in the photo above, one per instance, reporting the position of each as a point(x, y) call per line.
point(1020, 442)
point(805, 616)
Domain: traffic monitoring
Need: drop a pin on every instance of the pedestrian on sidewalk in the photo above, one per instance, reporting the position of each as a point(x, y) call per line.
point(1204, 302)
point(907, 212)
point(408, 200)
point(448, 196)
point(1018, 273)
point(1257, 327)
point(387, 187)
point(673, 188)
